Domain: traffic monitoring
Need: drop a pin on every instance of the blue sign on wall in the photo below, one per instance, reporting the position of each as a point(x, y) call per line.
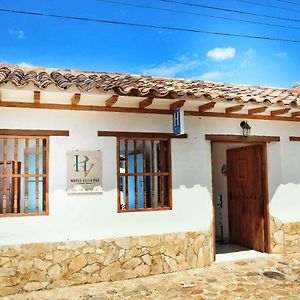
point(178, 121)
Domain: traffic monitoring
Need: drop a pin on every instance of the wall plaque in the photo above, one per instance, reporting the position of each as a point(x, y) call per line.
point(84, 171)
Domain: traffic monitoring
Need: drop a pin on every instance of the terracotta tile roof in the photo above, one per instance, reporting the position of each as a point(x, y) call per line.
point(297, 88)
point(147, 86)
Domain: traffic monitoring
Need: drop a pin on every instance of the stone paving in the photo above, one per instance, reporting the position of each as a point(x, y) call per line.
point(231, 280)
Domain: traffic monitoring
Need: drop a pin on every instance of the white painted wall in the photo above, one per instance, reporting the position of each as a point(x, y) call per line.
point(79, 217)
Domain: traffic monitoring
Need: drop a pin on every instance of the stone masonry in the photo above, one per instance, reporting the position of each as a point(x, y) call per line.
point(34, 267)
point(236, 280)
point(285, 237)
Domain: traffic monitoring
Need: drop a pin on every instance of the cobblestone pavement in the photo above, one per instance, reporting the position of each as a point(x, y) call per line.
point(232, 280)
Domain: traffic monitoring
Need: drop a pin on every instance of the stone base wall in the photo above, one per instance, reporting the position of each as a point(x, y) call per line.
point(43, 266)
point(285, 237)
point(292, 237)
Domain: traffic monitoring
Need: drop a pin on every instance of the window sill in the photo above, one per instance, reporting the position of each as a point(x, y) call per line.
point(10, 215)
point(143, 209)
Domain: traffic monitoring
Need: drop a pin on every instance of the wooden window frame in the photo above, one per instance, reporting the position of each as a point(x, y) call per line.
point(40, 141)
point(152, 175)
point(43, 136)
point(142, 135)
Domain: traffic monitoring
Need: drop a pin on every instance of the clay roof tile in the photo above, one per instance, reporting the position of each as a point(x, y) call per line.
point(147, 86)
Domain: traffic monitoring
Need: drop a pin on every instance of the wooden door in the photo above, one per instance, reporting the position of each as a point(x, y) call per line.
point(246, 197)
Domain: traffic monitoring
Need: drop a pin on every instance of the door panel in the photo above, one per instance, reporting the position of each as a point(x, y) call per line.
point(246, 197)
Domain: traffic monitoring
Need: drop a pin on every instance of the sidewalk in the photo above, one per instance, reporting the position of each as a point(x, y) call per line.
point(230, 280)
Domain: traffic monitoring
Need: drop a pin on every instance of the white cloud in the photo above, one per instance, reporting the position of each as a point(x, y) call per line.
point(221, 53)
point(249, 53)
point(247, 58)
point(19, 34)
point(245, 63)
point(172, 67)
point(281, 54)
point(213, 75)
point(24, 64)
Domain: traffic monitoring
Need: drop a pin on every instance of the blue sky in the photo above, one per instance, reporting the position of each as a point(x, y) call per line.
point(71, 44)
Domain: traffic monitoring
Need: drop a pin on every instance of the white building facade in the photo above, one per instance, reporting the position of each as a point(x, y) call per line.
point(88, 237)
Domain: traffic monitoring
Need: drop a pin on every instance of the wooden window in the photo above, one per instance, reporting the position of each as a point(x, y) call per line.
point(23, 175)
point(144, 174)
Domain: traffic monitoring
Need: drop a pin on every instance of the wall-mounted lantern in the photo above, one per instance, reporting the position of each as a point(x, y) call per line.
point(246, 128)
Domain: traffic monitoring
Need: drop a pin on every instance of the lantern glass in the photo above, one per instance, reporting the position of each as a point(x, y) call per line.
point(246, 128)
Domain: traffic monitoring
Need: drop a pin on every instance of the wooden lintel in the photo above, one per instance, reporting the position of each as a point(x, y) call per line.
point(111, 101)
point(207, 106)
point(295, 138)
point(295, 114)
point(145, 103)
point(143, 111)
point(33, 132)
point(37, 97)
point(177, 104)
point(141, 134)
point(257, 110)
point(223, 138)
point(234, 108)
point(279, 112)
point(75, 99)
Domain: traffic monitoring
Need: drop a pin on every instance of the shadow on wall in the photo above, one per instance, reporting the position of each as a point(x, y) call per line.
point(88, 214)
point(285, 203)
point(78, 217)
point(191, 163)
point(192, 204)
point(284, 181)
point(274, 155)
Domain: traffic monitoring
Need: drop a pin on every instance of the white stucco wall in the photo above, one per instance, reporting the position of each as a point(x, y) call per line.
point(77, 217)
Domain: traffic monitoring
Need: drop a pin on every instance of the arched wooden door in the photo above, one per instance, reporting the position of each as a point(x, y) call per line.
point(246, 208)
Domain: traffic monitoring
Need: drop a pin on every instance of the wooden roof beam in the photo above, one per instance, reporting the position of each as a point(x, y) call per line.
point(234, 108)
point(177, 104)
point(280, 112)
point(111, 101)
point(37, 97)
point(207, 106)
point(145, 103)
point(165, 111)
point(296, 114)
point(75, 99)
point(257, 110)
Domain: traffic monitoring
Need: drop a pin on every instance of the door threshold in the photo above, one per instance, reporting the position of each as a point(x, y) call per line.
point(232, 252)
